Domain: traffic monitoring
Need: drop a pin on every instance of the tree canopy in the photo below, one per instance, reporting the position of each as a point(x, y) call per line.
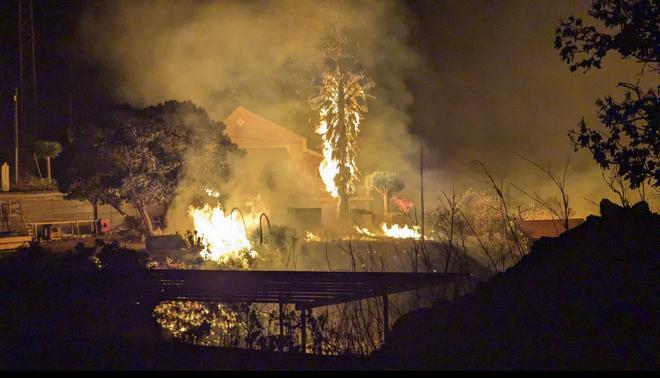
point(46, 148)
point(139, 155)
point(630, 140)
point(49, 150)
point(385, 183)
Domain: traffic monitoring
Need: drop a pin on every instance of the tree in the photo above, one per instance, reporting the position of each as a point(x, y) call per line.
point(385, 183)
point(85, 173)
point(340, 104)
point(630, 140)
point(48, 150)
point(139, 155)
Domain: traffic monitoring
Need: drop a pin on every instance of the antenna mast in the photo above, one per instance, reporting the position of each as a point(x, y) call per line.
point(27, 66)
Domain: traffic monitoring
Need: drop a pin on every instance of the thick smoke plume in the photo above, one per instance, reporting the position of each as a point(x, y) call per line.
point(264, 56)
point(496, 87)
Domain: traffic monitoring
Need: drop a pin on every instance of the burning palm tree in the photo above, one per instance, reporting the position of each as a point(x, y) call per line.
point(341, 103)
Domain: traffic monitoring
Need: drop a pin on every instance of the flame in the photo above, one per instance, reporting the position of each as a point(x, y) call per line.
point(333, 133)
point(402, 204)
point(212, 193)
point(329, 167)
point(398, 232)
point(364, 231)
point(225, 235)
point(310, 236)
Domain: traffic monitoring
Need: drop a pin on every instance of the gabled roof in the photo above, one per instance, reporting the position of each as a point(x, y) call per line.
point(536, 229)
point(245, 124)
point(250, 130)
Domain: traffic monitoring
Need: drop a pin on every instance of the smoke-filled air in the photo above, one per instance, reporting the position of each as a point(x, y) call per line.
point(269, 58)
point(329, 184)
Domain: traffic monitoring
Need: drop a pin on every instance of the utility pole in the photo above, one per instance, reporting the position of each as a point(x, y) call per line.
point(69, 130)
point(16, 137)
point(421, 184)
point(70, 111)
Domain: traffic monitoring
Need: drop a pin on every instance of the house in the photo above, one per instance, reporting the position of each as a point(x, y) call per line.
point(260, 136)
point(551, 228)
point(266, 141)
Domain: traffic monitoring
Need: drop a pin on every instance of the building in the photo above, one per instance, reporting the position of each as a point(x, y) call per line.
point(31, 214)
point(550, 228)
point(262, 138)
point(266, 141)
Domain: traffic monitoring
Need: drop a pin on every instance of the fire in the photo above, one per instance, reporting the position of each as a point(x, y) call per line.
point(212, 193)
point(341, 103)
point(329, 167)
point(225, 235)
point(402, 204)
point(364, 231)
point(398, 232)
point(310, 237)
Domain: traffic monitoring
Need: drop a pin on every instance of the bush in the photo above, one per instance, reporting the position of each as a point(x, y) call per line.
point(68, 305)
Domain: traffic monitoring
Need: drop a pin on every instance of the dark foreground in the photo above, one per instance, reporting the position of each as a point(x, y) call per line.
point(166, 356)
point(585, 300)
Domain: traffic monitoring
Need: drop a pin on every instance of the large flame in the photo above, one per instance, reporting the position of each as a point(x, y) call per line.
point(225, 236)
point(340, 127)
point(398, 232)
point(329, 167)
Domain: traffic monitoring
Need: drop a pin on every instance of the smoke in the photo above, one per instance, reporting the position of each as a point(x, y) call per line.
point(497, 88)
point(264, 56)
point(487, 85)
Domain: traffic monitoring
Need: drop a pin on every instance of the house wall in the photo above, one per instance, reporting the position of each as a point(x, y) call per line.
point(264, 141)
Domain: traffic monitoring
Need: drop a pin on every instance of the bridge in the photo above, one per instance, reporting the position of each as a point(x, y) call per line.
point(304, 289)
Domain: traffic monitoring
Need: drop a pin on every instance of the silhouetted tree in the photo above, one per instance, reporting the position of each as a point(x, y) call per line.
point(630, 140)
point(137, 155)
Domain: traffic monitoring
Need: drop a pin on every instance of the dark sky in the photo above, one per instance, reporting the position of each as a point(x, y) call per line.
point(492, 85)
point(497, 85)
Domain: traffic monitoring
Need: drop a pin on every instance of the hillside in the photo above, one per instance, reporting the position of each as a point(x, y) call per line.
point(585, 300)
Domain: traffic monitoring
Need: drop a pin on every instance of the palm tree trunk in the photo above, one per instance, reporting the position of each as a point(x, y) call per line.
point(48, 167)
point(95, 209)
point(343, 207)
point(386, 202)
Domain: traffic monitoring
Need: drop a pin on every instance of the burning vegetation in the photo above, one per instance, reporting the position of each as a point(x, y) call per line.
point(341, 104)
point(172, 168)
point(224, 236)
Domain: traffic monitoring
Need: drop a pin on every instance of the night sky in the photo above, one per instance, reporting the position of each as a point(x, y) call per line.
point(489, 86)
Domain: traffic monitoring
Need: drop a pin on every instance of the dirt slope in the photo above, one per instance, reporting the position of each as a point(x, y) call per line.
point(585, 300)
